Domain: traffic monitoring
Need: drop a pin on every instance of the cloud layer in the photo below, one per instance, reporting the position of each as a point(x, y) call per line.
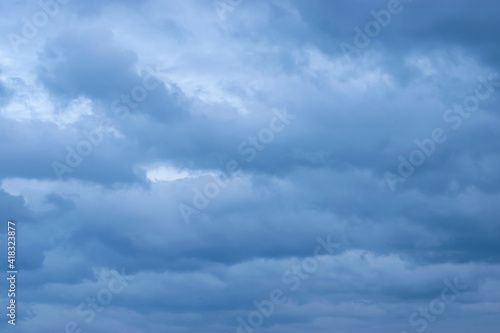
point(172, 164)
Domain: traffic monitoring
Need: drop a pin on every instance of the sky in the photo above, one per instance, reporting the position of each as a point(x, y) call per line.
point(251, 166)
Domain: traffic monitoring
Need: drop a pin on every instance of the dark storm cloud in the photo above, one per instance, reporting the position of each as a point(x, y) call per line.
point(87, 63)
point(216, 80)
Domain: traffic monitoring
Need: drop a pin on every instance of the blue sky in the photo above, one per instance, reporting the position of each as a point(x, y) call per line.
point(252, 166)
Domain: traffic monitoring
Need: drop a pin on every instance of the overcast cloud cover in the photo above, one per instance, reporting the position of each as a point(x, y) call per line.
point(251, 166)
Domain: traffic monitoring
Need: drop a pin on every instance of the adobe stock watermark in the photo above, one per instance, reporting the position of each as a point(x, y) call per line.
point(248, 150)
point(30, 26)
point(454, 116)
point(104, 297)
point(363, 37)
point(420, 320)
point(293, 277)
point(121, 108)
point(222, 7)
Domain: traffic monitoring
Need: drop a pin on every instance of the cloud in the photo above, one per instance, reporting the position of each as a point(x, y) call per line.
point(117, 113)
